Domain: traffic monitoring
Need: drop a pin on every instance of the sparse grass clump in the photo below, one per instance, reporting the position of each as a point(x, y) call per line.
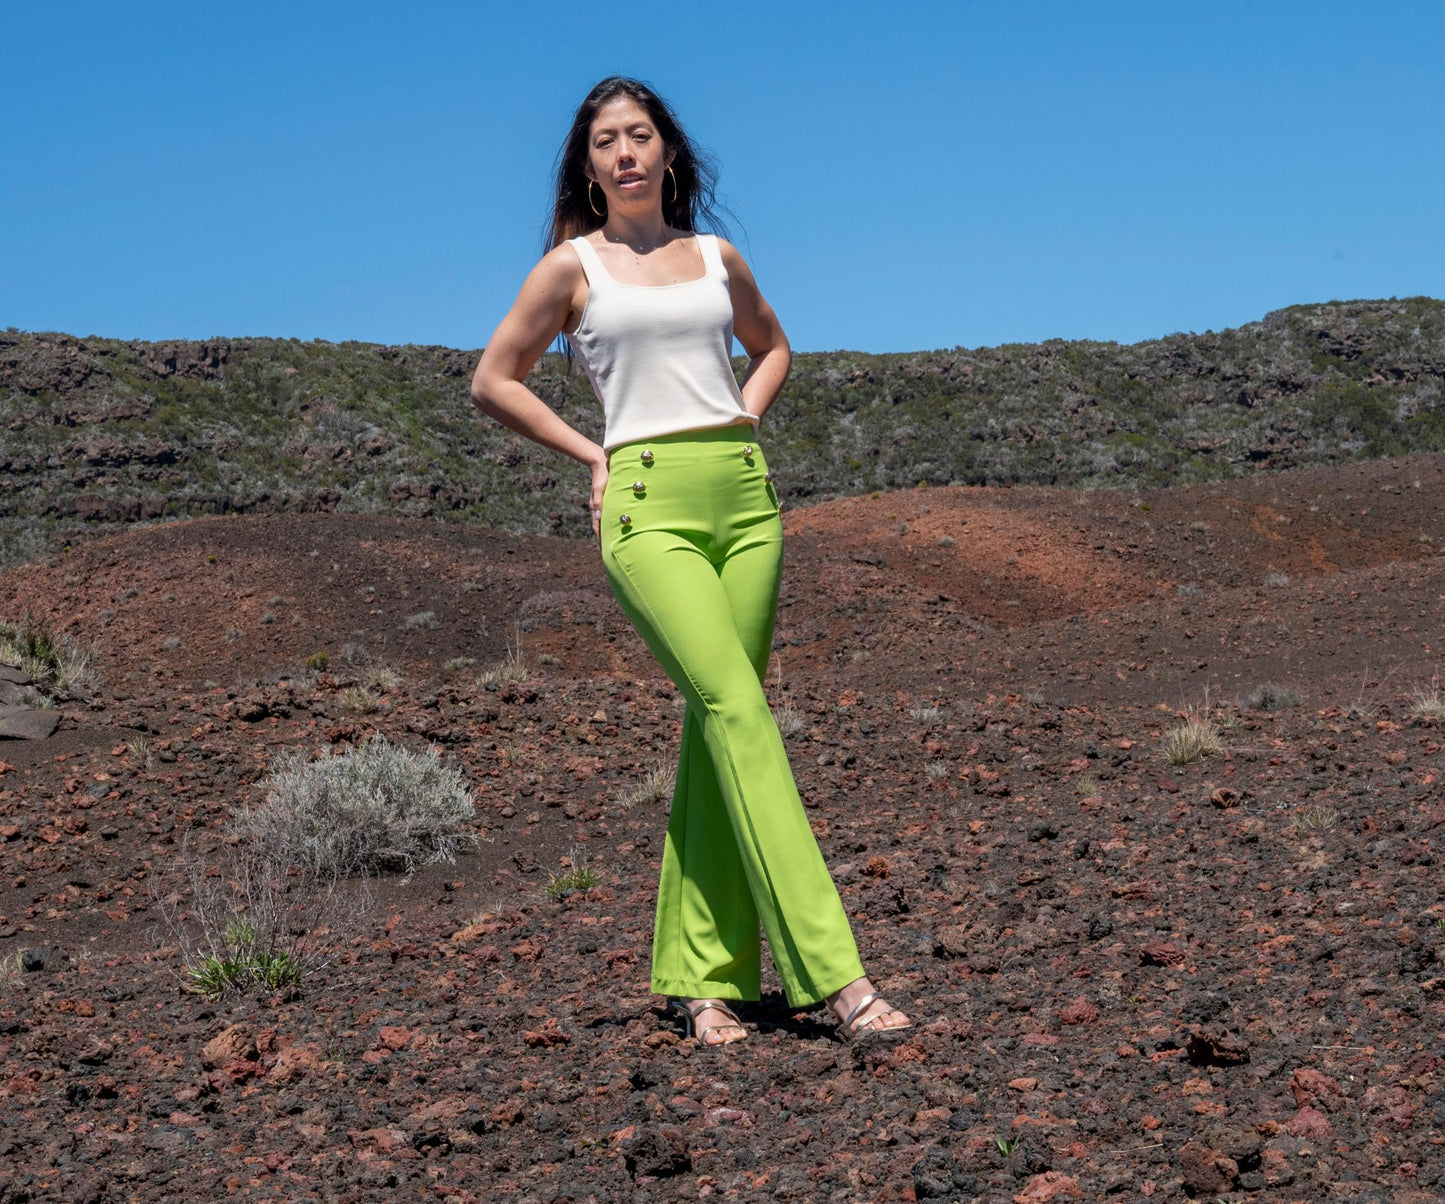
point(512, 666)
point(1317, 817)
point(425, 620)
point(928, 714)
point(789, 719)
point(936, 770)
point(374, 807)
point(358, 700)
point(383, 678)
point(10, 969)
point(1270, 697)
point(1198, 735)
point(1087, 786)
point(249, 920)
point(656, 787)
point(580, 877)
point(242, 961)
point(1426, 703)
point(54, 662)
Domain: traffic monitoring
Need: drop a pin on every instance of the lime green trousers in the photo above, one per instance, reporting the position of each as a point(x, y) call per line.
point(692, 545)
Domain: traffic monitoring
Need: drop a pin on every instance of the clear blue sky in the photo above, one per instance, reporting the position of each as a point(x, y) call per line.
point(904, 175)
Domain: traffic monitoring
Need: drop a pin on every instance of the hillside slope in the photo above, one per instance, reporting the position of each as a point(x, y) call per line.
point(97, 433)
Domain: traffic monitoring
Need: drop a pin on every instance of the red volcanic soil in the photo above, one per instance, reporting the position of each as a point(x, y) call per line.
point(1129, 979)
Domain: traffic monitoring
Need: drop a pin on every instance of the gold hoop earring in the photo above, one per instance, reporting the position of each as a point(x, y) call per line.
point(591, 202)
point(674, 184)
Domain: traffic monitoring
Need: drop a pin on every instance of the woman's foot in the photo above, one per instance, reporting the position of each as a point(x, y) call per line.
point(861, 1010)
point(711, 1021)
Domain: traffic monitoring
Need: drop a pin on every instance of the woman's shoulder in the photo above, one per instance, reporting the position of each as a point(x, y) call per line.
point(559, 268)
point(732, 259)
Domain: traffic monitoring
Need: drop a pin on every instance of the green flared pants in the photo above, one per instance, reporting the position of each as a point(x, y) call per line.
point(692, 545)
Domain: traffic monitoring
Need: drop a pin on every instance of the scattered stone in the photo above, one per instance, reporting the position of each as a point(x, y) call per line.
point(1211, 1045)
point(1159, 953)
point(22, 723)
point(657, 1150)
point(1206, 1171)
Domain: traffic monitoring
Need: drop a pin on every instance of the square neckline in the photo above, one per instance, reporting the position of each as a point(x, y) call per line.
point(697, 236)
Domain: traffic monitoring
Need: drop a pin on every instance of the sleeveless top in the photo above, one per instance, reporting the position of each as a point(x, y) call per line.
point(658, 355)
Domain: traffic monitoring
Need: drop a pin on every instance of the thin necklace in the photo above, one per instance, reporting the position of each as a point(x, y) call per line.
point(636, 248)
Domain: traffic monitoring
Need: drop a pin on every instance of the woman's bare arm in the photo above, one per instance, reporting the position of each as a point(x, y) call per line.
point(759, 331)
point(539, 314)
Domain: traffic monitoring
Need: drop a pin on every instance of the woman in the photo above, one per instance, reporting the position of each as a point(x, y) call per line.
point(691, 541)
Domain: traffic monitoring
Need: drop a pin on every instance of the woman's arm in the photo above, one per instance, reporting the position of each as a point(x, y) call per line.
point(539, 314)
point(759, 331)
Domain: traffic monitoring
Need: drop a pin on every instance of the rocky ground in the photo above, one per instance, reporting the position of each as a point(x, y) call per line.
point(1129, 979)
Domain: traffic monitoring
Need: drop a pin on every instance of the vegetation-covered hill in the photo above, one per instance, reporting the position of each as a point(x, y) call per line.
point(99, 432)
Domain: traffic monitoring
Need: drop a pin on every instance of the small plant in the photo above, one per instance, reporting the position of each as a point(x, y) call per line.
point(253, 921)
point(1366, 704)
point(656, 787)
point(171, 644)
point(1007, 1145)
point(139, 750)
point(936, 770)
point(1087, 785)
point(244, 961)
point(1275, 579)
point(580, 877)
point(512, 667)
point(425, 620)
point(10, 967)
point(1317, 817)
point(925, 714)
point(383, 678)
point(54, 662)
point(1426, 704)
point(1198, 735)
point(458, 662)
point(317, 662)
point(1270, 697)
point(546, 658)
point(374, 807)
point(358, 700)
point(789, 719)
point(267, 618)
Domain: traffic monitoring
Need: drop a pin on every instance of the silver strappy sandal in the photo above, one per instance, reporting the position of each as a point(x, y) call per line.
point(696, 1009)
point(869, 1028)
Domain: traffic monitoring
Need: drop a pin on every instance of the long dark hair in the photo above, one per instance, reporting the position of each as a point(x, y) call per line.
point(695, 199)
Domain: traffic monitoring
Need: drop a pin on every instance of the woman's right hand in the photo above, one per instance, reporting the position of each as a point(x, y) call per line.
point(599, 486)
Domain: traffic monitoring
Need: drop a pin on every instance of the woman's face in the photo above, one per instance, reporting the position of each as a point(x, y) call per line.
point(625, 153)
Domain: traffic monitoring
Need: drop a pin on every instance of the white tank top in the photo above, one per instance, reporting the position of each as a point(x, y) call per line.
point(658, 355)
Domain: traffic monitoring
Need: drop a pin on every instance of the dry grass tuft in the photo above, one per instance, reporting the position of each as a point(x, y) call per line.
point(656, 787)
point(1426, 703)
point(1198, 735)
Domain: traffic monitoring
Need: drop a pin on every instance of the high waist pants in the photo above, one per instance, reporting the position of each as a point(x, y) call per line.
point(692, 545)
